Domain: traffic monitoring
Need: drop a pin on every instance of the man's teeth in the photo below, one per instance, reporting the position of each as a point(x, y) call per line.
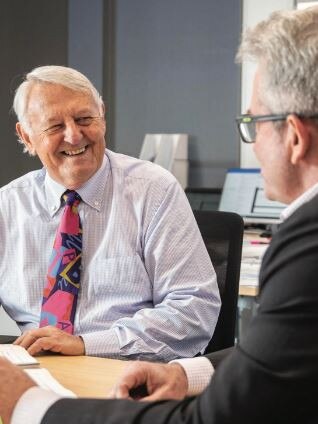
point(75, 152)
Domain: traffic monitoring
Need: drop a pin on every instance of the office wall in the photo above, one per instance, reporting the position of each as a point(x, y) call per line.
point(32, 33)
point(7, 325)
point(165, 67)
point(85, 39)
point(253, 12)
point(173, 71)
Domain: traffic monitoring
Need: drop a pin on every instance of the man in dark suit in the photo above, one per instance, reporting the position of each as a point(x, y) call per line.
point(272, 376)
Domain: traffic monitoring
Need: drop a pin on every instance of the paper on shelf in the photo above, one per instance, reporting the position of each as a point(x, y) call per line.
point(252, 255)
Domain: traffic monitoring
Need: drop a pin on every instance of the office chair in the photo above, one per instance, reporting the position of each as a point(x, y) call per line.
point(222, 233)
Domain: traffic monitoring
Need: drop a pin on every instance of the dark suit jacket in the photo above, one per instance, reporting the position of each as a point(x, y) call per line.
point(272, 377)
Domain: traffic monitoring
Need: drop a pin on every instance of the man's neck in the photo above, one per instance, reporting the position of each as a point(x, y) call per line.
point(303, 198)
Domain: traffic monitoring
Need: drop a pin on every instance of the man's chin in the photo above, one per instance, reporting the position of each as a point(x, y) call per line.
point(270, 195)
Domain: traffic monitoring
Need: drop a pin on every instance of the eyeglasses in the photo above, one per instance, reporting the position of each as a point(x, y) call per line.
point(247, 123)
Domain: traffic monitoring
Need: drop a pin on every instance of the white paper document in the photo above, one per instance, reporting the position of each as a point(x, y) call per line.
point(252, 256)
point(17, 355)
point(44, 379)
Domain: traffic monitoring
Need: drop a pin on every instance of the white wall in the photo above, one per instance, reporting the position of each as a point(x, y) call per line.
point(7, 326)
point(253, 12)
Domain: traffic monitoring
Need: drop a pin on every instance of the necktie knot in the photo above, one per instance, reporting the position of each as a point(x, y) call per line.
point(70, 197)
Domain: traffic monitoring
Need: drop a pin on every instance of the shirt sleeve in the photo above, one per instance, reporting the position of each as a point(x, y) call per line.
point(185, 304)
point(33, 405)
point(198, 371)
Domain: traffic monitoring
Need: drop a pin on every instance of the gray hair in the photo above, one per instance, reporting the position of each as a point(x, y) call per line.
point(287, 45)
point(67, 77)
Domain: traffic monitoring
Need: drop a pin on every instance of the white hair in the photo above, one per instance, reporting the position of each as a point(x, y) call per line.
point(61, 75)
point(286, 44)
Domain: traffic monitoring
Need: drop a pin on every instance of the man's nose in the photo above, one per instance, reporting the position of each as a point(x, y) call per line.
point(72, 133)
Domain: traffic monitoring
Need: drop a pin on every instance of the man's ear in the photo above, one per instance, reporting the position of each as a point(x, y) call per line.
point(103, 113)
point(25, 139)
point(103, 109)
point(298, 139)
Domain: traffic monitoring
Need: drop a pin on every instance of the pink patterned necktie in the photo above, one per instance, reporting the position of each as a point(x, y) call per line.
point(63, 278)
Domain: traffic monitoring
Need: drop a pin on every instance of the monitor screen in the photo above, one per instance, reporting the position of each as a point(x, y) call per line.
point(243, 193)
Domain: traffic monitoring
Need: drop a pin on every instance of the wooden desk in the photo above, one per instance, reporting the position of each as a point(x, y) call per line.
point(86, 376)
point(248, 290)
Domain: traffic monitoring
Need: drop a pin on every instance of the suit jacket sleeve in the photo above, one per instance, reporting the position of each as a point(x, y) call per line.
point(272, 377)
point(218, 356)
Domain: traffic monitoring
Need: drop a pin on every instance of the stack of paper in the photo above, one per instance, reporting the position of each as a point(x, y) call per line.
point(252, 255)
point(17, 355)
point(44, 379)
point(20, 356)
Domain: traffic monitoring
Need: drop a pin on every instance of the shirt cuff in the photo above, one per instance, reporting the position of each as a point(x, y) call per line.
point(101, 343)
point(32, 405)
point(198, 371)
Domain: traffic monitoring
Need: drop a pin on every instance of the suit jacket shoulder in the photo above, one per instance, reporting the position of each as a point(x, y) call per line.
point(297, 241)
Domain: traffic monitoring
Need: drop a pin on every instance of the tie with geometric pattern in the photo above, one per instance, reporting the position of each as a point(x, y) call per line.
point(63, 278)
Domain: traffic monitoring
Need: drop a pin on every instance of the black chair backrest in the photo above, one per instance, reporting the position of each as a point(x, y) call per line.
point(222, 233)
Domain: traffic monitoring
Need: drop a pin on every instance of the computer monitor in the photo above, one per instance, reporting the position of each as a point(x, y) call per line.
point(243, 193)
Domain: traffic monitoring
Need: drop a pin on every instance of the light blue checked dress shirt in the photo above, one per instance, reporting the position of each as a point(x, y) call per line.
point(148, 289)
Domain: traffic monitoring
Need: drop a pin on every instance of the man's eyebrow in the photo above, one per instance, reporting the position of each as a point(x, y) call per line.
point(83, 112)
point(55, 119)
point(50, 121)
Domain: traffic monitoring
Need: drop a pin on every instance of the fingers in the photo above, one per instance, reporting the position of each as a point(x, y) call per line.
point(29, 337)
point(162, 381)
point(44, 344)
point(133, 376)
point(120, 391)
point(52, 339)
point(157, 395)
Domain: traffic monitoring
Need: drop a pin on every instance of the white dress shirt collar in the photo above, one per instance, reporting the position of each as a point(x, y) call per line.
point(91, 192)
point(301, 200)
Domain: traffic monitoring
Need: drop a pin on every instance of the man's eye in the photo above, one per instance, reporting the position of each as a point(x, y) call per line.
point(53, 129)
point(84, 120)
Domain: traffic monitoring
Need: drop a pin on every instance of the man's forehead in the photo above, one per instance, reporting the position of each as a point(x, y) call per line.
point(51, 91)
point(256, 104)
point(56, 97)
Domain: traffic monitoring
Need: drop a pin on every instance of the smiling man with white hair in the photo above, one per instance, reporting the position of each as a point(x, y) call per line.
point(128, 275)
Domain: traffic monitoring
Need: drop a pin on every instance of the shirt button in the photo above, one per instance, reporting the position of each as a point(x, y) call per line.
point(96, 203)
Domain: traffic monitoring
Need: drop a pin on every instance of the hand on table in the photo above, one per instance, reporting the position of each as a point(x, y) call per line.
point(52, 339)
point(13, 383)
point(163, 381)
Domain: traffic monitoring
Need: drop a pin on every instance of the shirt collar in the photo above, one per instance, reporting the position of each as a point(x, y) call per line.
point(91, 192)
point(301, 200)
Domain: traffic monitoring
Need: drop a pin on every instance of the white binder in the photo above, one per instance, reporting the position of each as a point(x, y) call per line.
point(169, 151)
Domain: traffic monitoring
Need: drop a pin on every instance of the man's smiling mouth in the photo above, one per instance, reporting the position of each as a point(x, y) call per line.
point(74, 152)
